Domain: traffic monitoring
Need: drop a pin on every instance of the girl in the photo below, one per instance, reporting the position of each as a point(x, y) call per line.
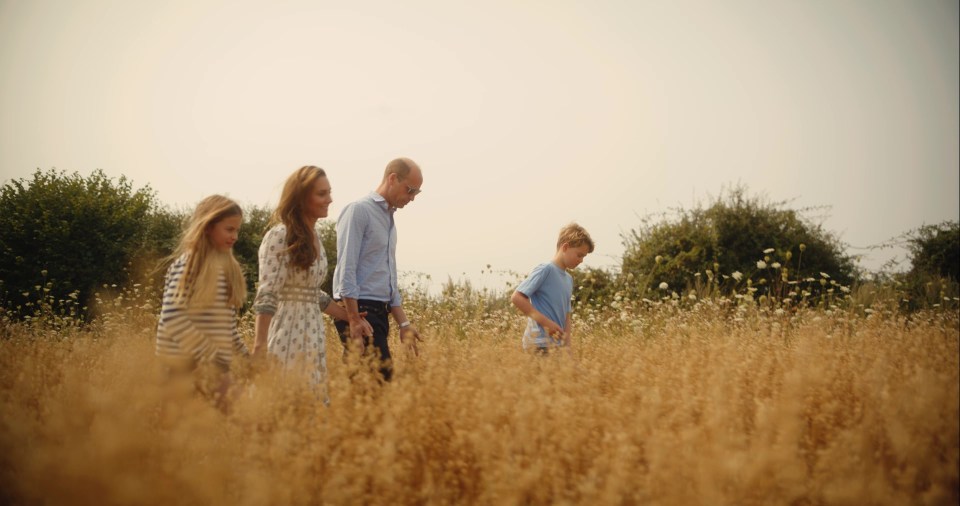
point(293, 264)
point(203, 290)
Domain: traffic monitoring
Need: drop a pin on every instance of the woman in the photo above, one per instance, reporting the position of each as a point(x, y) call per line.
point(292, 267)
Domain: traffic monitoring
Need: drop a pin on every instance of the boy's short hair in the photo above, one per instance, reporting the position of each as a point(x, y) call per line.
point(575, 236)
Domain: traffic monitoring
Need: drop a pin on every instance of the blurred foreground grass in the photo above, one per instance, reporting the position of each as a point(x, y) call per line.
point(661, 404)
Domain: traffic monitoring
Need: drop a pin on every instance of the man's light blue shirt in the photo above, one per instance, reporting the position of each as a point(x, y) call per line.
point(366, 251)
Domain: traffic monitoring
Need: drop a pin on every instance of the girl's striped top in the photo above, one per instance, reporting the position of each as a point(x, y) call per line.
point(197, 334)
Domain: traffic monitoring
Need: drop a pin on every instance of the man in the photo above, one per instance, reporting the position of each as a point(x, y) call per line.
point(365, 279)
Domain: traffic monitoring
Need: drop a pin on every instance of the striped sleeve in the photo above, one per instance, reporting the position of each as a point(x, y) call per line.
point(198, 334)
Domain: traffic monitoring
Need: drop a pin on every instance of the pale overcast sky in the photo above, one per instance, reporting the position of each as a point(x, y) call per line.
point(523, 115)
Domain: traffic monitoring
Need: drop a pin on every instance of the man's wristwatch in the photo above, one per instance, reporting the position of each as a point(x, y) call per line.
point(405, 324)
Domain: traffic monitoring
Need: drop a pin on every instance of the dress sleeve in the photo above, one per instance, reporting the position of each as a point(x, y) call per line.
point(273, 271)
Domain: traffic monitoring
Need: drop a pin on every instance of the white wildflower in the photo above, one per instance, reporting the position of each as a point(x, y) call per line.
point(737, 275)
point(775, 265)
point(664, 285)
point(824, 274)
point(768, 251)
point(761, 264)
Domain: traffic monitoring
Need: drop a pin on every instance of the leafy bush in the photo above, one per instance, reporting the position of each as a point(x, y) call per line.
point(761, 240)
point(934, 252)
point(328, 237)
point(65, 234)
point(255, 221)
point(592, 285)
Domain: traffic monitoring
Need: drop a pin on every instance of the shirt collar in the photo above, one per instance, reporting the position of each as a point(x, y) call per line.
point(381, 202)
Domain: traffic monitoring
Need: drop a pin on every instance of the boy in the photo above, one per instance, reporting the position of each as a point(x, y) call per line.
point(545, 295)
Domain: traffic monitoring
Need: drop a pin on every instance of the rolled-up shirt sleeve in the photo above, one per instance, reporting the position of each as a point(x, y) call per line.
point(350, 228)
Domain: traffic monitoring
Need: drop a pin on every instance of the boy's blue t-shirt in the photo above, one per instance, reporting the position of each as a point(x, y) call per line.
point(549, 289)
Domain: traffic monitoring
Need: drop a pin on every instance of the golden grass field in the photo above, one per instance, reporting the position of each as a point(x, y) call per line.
point(658, 405)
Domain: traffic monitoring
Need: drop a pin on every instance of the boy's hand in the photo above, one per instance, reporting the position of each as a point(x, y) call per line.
point(553, 330)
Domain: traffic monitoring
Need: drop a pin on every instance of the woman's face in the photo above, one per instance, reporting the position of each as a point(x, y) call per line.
point(318, 200)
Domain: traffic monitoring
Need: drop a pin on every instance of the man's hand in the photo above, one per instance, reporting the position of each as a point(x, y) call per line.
point(360, 329)
point(409, 336)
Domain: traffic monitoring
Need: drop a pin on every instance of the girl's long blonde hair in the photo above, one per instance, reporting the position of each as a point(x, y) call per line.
point(198, 283)
point(301, 243)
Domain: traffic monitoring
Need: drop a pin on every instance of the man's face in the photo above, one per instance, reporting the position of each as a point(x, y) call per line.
point(403, 191)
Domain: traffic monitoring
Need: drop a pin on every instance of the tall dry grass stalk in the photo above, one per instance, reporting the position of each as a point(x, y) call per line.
point(693, 408)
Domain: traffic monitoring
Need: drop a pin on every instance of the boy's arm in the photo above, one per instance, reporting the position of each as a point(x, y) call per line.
point(568, 335)
point(522, 302)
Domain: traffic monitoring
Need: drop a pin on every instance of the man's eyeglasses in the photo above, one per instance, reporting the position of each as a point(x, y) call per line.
point(411, 190)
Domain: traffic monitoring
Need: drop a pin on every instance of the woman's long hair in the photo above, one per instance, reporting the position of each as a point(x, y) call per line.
point(301, 240)
point(198, 283)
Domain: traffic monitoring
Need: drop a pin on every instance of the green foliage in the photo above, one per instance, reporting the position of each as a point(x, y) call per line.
point(935, 258)
point(63, 237)
point(328, 237)
point(935, 250)
point(732, 234)
point(255, 220)
point(592, 284)
point(68, 234)
point(162, 227)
